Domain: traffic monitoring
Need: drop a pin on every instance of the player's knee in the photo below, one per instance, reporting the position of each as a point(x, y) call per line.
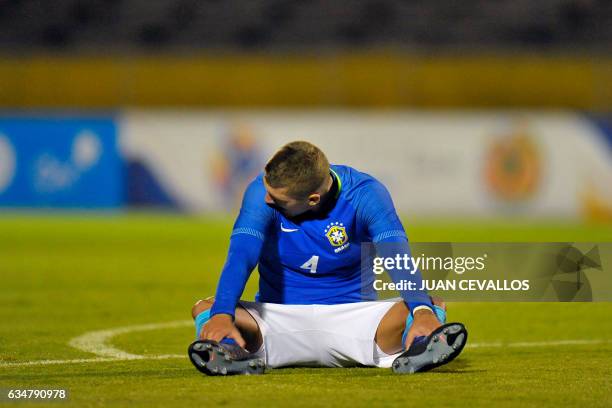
point(202, 305)
point(439, 302)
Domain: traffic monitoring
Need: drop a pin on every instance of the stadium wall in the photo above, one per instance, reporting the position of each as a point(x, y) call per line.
point(60, 161)
point(493, 164)
point(365, 79)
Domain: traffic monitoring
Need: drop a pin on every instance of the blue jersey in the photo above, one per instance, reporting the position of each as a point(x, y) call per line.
point(315, 258)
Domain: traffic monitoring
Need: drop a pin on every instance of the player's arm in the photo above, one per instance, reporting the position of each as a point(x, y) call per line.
point(376, 209)
point(246, 243)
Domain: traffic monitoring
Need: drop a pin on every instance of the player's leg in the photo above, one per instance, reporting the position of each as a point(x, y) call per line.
point(226, 357)
point(249, 329)
point(440, 347)
point(391, 329)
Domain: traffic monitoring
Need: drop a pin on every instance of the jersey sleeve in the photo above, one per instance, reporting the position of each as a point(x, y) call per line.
point(246, 243)
point(255, 215)
point(377, 212)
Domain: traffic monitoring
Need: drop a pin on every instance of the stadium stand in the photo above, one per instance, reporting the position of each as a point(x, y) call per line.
point(128, 25)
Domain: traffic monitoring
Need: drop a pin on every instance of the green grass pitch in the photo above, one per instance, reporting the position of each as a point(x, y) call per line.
point(62, 276)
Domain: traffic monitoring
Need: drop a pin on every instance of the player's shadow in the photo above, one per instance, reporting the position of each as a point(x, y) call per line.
point(461, 366)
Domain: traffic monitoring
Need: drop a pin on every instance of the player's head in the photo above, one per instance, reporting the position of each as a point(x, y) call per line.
point(296, 178)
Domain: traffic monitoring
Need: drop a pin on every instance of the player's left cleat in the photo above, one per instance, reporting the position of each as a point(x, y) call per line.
point(224, 358)
point(442, 346)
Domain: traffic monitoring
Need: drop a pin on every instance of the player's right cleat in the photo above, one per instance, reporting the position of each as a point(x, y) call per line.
point(224, 358)
point(442, 346)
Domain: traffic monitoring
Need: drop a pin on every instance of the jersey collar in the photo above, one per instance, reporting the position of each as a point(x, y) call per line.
point(337, 182)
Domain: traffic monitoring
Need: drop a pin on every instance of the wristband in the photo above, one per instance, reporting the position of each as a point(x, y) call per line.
point(421, 307)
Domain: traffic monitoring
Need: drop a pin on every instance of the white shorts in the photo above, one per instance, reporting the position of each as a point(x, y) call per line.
point(339, 335)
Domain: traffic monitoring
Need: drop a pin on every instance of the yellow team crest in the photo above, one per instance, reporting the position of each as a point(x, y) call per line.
point(336, 234)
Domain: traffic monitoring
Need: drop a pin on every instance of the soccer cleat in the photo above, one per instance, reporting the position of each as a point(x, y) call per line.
point(442, 346)
point(224, 358)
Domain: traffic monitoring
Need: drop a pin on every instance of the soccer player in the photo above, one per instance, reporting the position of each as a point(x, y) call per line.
point(303, 222)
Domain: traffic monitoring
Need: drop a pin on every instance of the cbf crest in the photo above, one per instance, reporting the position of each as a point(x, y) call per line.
point(337, 236)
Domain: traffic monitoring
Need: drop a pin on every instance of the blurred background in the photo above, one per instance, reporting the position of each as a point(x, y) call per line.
point(480, 109)
point(129, 129)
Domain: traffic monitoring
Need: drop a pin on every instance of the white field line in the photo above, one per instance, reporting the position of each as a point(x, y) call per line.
point(537, 343)
point(85, 360)
point(97, 342)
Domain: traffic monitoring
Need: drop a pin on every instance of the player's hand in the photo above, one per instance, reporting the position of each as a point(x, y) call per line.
point(425, 322)
point(219, 327)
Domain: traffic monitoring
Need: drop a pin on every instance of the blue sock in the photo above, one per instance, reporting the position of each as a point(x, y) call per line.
point(440, 314)
point(200, 319)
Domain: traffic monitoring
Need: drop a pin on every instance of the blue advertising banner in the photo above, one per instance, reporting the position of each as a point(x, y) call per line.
point(60, 162)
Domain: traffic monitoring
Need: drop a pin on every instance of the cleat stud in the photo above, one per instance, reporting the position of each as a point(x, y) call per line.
point(435, 339)
point(252, 364)
point(223, 370)
point(227, 357)
point(429, 347)
point(208, 346)
point(445, 331)
point(215, 369)
point(435, 361)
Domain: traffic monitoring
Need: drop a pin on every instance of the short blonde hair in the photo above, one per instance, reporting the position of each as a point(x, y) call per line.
point(299, 166)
